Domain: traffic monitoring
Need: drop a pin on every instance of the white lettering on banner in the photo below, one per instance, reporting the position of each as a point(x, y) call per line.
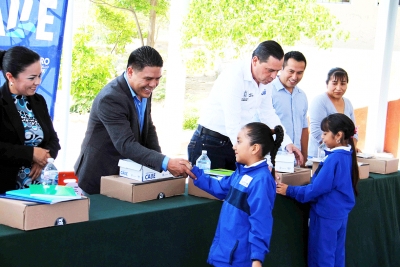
point(45, 61)
point(13, 14)
point(2, 32)
point(26, 10)
point(44, 19)
point(45, 64)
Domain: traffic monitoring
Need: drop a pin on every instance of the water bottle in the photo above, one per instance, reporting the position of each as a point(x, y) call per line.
point(50, 173)
point(321, 150)
point(203, 162)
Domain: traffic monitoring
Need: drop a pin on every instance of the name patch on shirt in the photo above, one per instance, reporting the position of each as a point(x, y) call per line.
point(245, 181)
point(246, 96)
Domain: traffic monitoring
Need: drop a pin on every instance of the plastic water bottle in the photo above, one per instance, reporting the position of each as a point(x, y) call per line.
point(321, 150)
point(50, 173)
point(203, 162)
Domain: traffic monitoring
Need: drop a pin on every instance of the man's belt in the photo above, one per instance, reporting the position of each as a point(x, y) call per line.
point(204, 130)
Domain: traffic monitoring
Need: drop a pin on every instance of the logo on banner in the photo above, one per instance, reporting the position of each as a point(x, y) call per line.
point(45, 64)
point(18, 22)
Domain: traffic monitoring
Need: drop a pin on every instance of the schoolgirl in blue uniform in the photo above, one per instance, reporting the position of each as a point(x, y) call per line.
point(331, 193)
point(245, 223)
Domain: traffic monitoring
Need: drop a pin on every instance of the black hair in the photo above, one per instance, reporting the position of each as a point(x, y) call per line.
point(339, 74)
point(260, 133)
point(296, 55)
point(16, 59)
point(145, 56)
point(267, 49)
point(338, 122)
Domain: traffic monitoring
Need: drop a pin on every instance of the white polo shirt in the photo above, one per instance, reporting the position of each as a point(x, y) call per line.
point(236, 100)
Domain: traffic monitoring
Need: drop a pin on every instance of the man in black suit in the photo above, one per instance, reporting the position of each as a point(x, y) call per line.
point(120, 125)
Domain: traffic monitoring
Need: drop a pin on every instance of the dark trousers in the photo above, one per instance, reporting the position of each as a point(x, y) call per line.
point(219, 149)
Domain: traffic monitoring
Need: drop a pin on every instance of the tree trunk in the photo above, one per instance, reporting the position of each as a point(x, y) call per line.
point(138, 26)
point(152, 24)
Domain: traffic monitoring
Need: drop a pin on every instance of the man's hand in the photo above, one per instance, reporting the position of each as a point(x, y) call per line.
point(297, 153)
point(36, 170)
point(179, 167)
point(281, 189)
point(189, 167)
point(256, 264)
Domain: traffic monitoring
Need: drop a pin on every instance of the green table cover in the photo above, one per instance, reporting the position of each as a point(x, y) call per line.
point(178, 231)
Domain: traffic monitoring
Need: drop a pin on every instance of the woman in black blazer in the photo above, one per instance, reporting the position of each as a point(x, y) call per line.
point(27, 136)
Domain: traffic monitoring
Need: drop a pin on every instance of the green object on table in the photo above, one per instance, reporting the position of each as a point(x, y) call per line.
point(51, 190)
point(219, 172)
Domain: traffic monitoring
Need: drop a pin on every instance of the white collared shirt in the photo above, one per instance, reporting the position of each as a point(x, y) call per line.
point(236, 100)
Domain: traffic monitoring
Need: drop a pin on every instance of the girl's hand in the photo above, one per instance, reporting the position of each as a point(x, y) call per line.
point(281, 189)
point(256, 264)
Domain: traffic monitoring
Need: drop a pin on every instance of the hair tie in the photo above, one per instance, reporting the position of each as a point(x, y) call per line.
point(355, 130)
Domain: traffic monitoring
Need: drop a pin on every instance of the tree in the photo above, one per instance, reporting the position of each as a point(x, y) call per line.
point(113, 15)
point(236, 26)
point(91, 70)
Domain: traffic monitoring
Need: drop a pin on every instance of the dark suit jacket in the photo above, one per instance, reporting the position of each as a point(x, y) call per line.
point(112, 134)
point(13, 152)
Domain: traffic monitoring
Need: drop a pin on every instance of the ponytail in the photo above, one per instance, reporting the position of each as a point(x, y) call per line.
point(355, 177)
point(279, 133)
point(260, 133)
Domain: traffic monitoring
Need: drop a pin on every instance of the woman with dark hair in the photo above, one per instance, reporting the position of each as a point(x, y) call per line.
point(245, 222)
point(331, 193)
point(27, 136)
point(332, 101)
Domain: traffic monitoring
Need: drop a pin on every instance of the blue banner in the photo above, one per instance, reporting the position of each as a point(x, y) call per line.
point(38, 25)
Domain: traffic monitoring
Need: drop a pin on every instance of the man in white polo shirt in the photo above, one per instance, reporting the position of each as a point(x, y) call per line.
point(240, 95)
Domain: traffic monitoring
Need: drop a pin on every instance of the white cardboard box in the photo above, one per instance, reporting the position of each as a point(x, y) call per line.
point(132, 170)
point(284, 162)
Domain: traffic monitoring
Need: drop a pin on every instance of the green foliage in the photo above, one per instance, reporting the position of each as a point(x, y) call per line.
point(115, 31)
point(239, 25)
point(159, 93)
point(91, 70)
point(190, 119)
point(118, 19)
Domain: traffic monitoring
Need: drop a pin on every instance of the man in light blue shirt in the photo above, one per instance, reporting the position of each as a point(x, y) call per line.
point(290, 102)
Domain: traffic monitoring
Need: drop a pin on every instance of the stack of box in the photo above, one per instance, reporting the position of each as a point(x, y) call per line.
point(137, 183)
point(380, 164)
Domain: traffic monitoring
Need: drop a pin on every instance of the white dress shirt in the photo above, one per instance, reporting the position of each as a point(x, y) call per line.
point(236, 100)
